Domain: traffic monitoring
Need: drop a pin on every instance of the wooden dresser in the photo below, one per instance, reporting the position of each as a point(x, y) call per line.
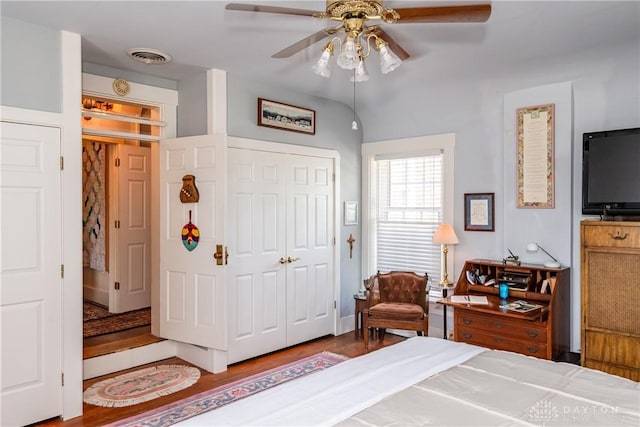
point(542, 333)
point(610, 294)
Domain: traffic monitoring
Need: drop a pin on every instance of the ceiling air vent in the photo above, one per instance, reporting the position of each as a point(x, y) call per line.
point(149, 56)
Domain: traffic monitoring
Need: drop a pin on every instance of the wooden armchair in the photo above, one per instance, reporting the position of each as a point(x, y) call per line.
point(399, 302)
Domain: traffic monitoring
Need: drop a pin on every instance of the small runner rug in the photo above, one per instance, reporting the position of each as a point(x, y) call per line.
point(98, 321)
point(228, 393)
point(141, 385)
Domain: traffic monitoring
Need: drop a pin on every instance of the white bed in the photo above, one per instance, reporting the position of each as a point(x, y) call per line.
point(430, 381)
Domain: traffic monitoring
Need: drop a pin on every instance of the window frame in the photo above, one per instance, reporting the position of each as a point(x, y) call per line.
point(406, 147)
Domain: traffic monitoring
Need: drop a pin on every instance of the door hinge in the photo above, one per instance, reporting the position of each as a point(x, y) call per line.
point(334, 240)
point(335, 305)
point(62, 379)
point(61, 163)
point(117, 286)
point(62, 271)
point(117, 162)
point(117, 224)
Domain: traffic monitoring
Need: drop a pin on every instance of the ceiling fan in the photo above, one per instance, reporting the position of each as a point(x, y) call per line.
point(353, 16)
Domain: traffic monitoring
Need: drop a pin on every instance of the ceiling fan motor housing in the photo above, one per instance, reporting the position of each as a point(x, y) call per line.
point(340, 8)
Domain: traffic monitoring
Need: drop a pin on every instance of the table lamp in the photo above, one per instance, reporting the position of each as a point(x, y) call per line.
point(445, 235)
point(533, 247)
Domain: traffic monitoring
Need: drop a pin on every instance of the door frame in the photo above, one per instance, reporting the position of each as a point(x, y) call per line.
point(277, 147)
point(167, 101)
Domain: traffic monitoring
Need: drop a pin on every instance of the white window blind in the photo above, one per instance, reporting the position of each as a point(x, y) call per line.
point(409, 208)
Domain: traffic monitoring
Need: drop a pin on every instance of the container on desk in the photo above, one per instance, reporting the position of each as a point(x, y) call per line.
point(503, 290)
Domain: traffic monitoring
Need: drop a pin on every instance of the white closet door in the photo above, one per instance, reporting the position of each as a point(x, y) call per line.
point(31, 283)
point(257, 241)
point(280, 276)
point(310, 226)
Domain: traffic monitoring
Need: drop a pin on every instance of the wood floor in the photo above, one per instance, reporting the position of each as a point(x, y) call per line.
point(349, 344)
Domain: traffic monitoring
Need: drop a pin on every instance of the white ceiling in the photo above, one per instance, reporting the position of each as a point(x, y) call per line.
point(200, 35)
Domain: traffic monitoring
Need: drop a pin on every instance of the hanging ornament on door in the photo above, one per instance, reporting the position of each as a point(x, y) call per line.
point(190, 235)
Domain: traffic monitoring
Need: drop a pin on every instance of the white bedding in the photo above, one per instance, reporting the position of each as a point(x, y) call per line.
point(430, 381)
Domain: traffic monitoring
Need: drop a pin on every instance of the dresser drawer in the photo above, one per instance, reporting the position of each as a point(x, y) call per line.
point(612, 236)
point(523, 330)
point(501, 342)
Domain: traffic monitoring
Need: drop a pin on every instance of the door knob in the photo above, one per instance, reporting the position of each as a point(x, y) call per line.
point(282, 260)
point(292, 259)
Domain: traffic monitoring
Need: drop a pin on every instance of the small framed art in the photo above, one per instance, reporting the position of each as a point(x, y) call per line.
point(479, 212)
point(351, 213)
point(286, 117)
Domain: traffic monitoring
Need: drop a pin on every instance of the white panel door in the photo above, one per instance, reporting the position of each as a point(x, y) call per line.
point(132, 267)
point(281, 288)
point(192, 290)
point(257, 240)
point(310, 213)
point(31, 284)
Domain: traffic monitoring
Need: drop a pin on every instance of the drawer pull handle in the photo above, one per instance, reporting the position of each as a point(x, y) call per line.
point(498, 339)
point(618, 236)
point(532, 334)
point(532, 349)
point(467, 335)
point(498, 325)
point(466, 321)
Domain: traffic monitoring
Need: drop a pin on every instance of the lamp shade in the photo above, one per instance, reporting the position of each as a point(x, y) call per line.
point(445, 235)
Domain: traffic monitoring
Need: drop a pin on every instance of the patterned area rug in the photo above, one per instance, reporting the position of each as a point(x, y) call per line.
point(98, 321)
point(141, 385)
point(228, 393)
point(91, 311)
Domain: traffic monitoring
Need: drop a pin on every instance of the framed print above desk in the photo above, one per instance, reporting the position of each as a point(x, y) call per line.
point(479, 211)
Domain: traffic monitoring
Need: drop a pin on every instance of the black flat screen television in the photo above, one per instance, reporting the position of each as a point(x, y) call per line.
point(611, 173)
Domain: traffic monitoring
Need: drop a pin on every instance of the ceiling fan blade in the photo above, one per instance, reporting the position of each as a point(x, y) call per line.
point(269, 9)
point(467, 13)
point(304, 43)
point(395, 47)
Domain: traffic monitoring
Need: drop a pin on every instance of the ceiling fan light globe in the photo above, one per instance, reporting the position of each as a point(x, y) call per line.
point(322, 67)
point(348, 58)
point(389, 61)
point(360, 74)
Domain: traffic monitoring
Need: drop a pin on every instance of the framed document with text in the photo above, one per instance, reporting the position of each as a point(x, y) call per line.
point(479, 212)
point(536, 180)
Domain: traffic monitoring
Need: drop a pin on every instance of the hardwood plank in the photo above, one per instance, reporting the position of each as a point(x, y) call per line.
point(350, 344)
point(118, 341)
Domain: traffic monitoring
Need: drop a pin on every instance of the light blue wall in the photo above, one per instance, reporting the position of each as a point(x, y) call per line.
point(132, 76)
point(31, 69)
point(192, 105)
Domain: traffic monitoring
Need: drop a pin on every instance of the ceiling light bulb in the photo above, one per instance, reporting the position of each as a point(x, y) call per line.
point(354, 125)
point(389, 61)
point(360, 74)
point(322, 67)
point(348, 57)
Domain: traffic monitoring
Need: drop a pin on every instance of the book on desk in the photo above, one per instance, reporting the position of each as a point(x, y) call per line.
point(469, 299)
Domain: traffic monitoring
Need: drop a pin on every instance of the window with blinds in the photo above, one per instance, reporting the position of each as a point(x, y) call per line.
point(409, 208)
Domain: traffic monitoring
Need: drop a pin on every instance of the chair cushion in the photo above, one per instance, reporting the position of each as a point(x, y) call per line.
point(397, 310)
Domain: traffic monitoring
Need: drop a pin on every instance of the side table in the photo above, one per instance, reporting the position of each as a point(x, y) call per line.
point(445, 291)
point(361, 304)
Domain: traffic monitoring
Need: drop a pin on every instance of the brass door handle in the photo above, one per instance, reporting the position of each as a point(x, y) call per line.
point(292, 259)
point(221, 254)
point(282, 260)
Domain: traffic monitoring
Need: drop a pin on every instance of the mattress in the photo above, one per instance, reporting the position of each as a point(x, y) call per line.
point(430, 381)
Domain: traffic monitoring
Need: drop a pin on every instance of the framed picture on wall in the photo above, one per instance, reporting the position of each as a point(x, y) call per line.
point(479, 212)
point(351, 213)
point(286, 117)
